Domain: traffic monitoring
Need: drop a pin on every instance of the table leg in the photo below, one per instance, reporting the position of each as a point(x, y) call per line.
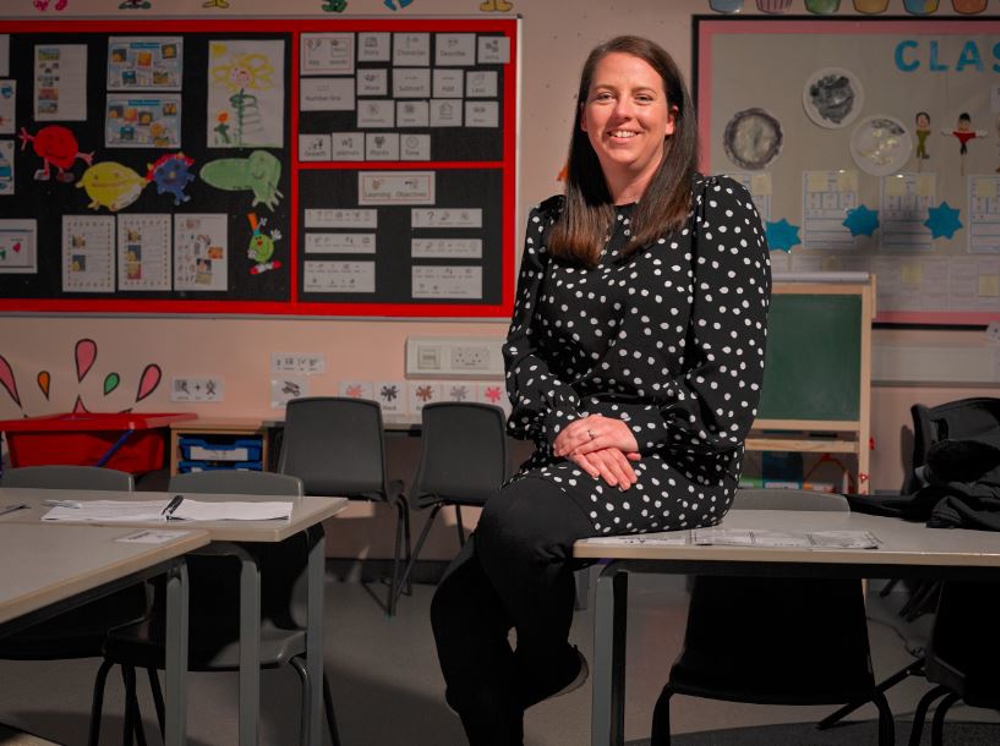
point(249, 648)
point(314, 633)
point(176, 655)
point(610, 618)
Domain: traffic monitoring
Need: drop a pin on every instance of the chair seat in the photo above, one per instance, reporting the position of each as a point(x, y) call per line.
point(142, 645)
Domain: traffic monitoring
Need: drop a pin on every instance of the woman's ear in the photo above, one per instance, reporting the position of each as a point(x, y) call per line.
point(583, 118)
point(671, 120)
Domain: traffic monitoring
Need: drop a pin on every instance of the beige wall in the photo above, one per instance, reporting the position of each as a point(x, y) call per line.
point(556, 37)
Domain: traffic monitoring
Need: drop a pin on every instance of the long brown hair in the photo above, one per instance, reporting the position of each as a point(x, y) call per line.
point(588, 213)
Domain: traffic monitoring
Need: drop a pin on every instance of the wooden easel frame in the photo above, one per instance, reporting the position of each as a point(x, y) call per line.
point(839, 436)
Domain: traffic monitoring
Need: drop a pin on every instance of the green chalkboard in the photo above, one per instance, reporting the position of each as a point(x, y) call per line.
point(813, 363)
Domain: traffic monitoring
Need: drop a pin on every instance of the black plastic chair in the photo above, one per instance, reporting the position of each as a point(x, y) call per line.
point(788, 641)
point(80, 632)
point(463, 461)
point(214, 611)
point(962, 659)
point(336, 446)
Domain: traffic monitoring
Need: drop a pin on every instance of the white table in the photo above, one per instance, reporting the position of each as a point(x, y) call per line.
point(50, 569)
point(225, 537)
point(907, 550)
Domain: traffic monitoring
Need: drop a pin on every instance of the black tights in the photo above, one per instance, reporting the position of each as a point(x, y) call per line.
point(515, 571)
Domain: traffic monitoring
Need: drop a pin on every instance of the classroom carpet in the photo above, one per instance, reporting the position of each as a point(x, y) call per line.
point(853, 733)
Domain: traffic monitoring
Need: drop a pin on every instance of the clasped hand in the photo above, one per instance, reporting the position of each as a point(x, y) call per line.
point(604, 447)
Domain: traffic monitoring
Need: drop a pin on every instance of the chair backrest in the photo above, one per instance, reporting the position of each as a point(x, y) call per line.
point(463, 457)
point(778, 499)
point(237, 482)
point(336, 446)
point(62, 477)
point(963, 418)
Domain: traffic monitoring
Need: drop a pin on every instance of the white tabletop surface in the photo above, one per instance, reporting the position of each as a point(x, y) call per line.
point(45, 564)
point(902, 542)
point(306, 511)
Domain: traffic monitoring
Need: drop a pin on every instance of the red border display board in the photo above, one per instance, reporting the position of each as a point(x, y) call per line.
point(343, 168)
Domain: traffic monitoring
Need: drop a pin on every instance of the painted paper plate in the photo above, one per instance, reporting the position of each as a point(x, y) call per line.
point(752, 139)
point(881, 145)
point(833, 97)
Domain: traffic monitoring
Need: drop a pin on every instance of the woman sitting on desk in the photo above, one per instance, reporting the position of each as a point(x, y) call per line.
point(634, 362)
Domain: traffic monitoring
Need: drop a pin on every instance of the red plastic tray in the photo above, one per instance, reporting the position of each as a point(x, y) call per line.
point(86, 438)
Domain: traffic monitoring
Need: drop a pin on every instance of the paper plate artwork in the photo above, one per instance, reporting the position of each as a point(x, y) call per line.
point(752, 139)
point(881, 145)
point(833, 97)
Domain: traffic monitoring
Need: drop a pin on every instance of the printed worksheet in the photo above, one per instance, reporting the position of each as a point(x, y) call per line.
point(60, 82)
point(906, 197)
point(143, 252)
point(759, 186)
point(18, 242)
point(8, 107)
point(88, 253)
point(435, 281)
point(201, 252)
point(338, 277)
point(148, 122)
point(984, 214)
point(145, 63)
point(6, 167)
point(826, 198)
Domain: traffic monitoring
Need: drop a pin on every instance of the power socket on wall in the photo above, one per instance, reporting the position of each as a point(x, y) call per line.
point(459, 357)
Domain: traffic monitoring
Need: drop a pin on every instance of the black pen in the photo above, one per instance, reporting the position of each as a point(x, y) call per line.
point(5, 509)
point(172, 506)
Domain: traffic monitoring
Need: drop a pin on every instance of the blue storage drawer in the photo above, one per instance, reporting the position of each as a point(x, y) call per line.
point(203, 449)
point(186, 467)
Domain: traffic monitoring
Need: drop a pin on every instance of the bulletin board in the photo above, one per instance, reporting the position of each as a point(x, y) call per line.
point(869, 145)
point(320, 167)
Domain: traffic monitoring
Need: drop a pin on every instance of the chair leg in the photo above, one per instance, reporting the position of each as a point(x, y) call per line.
point(920, 714)
point(154, 686)
point(913, 669)
point(128, 725)
point(300, 668)
point(420, 545)
point(937, 725)
point(402, 534)
point(661, 719)
point(886, 724)
point(331, 720)
point(408, 545)
point(97, 704)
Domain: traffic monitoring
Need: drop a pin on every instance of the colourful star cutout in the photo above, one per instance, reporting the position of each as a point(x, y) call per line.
point(781, 236)
point(943, 220)
point(861, 221)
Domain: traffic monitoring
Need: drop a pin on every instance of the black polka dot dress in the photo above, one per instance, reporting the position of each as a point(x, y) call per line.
point(669, 339)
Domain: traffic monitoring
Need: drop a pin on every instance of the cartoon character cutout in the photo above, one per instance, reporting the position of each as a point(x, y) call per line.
point(922, 129)
point(56, 146)
point(44, 4)
point(963, 132)
point(262, 246)
point(495, 6)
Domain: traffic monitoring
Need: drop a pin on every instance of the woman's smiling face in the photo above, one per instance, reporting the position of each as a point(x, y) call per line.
point(627, 119)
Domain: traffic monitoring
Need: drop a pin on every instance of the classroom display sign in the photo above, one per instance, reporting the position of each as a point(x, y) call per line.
point(869, 145)
point(282, 167)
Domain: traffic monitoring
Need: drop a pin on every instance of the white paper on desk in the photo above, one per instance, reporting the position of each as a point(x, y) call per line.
point(110, 511)
point(844, 540)
point(746, 537)
point(676, 538)
point(231, 510)
point(151, 537)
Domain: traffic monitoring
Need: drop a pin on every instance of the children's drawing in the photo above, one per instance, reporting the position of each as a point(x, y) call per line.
point(963, 132)
point(496, 6)
point(44, 4)
point(111, 185)
point(880, 145)
point(215, 4)
point(752, 139)
point(334, 6)
point(56, 146)
point(171, 173)
point(246, 93)
point(922, 128)
point(135, 5)
point(833, 97)
point(259, 172)
point(392, 5)
point(85, 354)
point(44, 380)
point(262, 246)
